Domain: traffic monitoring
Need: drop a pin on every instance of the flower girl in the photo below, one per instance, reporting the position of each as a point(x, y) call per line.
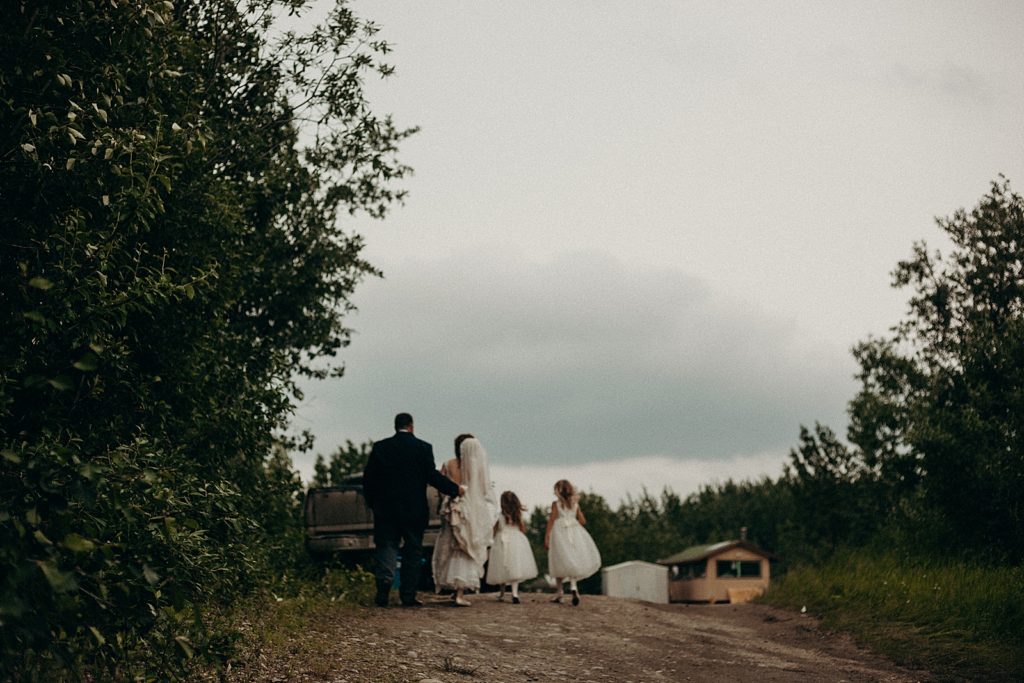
point(572, 554)
point(511, 558)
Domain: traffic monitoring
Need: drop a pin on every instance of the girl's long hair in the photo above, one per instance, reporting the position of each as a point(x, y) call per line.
point(512, 509)
point(566, 492)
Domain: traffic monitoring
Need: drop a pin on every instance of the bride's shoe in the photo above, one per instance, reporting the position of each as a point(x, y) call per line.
point(557, 599)
point(462, 602)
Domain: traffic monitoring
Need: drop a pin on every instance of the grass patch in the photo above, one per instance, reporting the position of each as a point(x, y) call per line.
point(955, 619)
point(286, 630)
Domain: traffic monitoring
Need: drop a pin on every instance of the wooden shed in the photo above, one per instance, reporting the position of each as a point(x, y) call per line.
point(729, 571)
point(636, 579)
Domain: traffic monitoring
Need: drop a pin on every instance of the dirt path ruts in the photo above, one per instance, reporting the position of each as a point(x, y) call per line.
point(604, 639)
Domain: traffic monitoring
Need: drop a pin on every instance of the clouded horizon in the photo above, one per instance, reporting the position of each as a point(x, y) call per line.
point(641, 240)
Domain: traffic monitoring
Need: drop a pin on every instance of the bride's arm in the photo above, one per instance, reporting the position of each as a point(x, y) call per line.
point(579, 516)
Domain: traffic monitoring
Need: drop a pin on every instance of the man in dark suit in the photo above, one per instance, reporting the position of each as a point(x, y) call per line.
point(395, 487)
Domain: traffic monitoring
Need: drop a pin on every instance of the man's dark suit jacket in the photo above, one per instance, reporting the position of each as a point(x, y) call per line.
point(396, 477)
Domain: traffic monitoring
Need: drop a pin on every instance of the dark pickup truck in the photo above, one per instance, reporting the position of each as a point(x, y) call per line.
point(338, 520)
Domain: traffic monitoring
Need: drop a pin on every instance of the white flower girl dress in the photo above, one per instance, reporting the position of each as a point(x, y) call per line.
point(511, 558)
point(572, 553)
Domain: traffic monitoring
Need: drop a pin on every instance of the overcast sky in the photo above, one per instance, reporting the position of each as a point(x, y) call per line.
point(641, 238)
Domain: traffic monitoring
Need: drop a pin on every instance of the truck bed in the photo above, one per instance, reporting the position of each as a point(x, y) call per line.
point(339, 521)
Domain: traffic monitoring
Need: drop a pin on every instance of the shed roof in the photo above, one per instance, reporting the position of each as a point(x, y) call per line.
point(700, 552)
point(641, 563)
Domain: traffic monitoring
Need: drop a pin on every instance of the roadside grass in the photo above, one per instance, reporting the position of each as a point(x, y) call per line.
point(284, 630)
point(956, 619)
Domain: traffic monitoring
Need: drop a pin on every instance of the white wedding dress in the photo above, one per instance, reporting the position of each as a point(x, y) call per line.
point(466, 525)
point(572, 553)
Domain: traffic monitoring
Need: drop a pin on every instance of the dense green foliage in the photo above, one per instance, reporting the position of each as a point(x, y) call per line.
point(939, 419)
point(171, 261)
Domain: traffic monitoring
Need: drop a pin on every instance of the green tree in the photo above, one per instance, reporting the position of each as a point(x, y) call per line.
point(642, 529)
point(321, 473)
point(718, 512)
point(282, 529)
point(832, 492)
point(536, 524)
point(941, 406)
point(348, 460)
point(172, 261)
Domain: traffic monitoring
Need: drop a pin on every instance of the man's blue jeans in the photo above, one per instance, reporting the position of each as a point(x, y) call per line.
point(387, 536)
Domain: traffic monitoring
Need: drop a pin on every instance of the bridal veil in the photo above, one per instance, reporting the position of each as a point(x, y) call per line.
point(474, 529)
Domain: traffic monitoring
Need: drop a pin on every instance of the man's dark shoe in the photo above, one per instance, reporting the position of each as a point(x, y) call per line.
point(414, 602)
point(383, 593)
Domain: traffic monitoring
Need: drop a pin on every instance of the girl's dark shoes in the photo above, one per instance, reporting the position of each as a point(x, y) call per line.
point(575, 598)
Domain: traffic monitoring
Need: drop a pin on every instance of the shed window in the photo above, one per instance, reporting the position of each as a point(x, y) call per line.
point(690, 570)
point(738, 568)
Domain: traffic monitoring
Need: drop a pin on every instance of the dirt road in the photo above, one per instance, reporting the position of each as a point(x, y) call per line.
point(604, 639)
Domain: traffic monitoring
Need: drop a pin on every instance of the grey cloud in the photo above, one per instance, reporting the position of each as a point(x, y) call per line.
point(574, 359)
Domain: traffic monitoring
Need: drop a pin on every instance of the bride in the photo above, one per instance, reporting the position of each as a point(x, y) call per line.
point(466, 522)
